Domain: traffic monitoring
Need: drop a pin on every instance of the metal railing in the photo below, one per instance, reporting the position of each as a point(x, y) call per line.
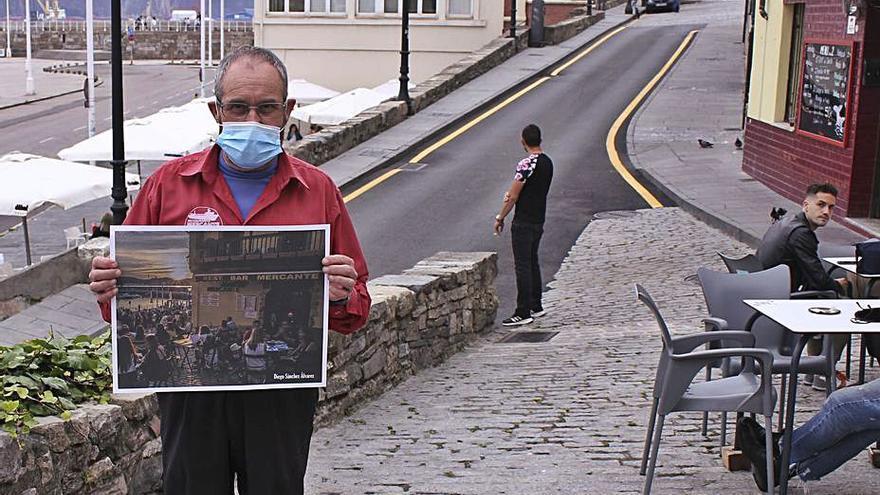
point(103, 26)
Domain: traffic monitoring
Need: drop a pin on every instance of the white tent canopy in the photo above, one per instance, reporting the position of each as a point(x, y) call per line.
point(340, 108)
point(169, 133)
point(306, 93)
point(391, 88)
point(28, 181)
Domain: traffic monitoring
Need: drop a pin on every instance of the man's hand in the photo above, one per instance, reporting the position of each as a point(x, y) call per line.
point(843, 282)
point(340, 270)
point(499, 226)
point(103, 277)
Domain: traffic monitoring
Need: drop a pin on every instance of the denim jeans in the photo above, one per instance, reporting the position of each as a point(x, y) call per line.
point(848, 422)
point(525, 238)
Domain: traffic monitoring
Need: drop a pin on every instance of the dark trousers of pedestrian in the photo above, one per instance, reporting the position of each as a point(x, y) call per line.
point(526, 237)
point(259, 437)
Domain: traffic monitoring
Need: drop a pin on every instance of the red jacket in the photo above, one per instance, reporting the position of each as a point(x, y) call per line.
point(192, 191)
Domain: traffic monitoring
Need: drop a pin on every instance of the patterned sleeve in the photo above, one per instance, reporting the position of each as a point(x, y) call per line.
point(525, 168)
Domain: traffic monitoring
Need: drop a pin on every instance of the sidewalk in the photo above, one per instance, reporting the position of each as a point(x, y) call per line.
point(46, 84)
point(702, 97)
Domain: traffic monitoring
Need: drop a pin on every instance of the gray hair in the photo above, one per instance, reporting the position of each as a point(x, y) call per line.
point(249, 52)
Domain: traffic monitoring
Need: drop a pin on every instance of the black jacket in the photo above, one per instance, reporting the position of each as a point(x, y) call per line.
point(791, 242)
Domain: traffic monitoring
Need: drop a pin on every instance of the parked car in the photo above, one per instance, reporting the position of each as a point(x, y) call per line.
point(658, 5)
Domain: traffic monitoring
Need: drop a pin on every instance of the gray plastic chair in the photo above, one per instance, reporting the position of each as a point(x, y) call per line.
point(724, 293)
point(748, 263)
point(674, 390)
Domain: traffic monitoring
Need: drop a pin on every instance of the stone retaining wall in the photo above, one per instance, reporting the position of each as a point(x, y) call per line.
point(417, 319)
point(148, 45)
point(43, 279)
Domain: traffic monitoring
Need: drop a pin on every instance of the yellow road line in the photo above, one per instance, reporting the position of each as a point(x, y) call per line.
point(369, 185)
point(587, 50)
point(610, 146)
point(488, 113)
point(461, 130)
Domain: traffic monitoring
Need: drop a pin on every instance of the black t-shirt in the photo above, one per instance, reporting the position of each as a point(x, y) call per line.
point(536, 170)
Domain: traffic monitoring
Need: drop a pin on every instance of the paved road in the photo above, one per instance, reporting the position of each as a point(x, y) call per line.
point(449, 202)
point(46, 127)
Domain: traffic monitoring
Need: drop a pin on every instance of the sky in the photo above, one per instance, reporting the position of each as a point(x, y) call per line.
point(154, 254)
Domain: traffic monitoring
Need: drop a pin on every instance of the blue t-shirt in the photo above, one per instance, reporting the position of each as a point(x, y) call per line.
point(246, 187)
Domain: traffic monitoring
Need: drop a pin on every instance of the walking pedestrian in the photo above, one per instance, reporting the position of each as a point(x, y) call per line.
point(528, 193)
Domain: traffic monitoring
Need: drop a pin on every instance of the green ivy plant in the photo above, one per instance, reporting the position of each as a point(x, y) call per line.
point(48, 377)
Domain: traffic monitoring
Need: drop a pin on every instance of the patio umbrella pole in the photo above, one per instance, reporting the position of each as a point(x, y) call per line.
point(27, 240)
point(118, 192)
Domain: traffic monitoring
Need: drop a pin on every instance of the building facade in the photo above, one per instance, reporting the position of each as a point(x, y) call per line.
point(345, 44)
point(257, 276)
point(813, 99)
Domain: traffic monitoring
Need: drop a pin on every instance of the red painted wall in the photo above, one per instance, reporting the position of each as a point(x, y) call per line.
point(553, 13)
point(787, 162)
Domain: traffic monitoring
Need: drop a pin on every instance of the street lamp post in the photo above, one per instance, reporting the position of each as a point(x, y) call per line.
point(403, 94)
point(222, 37)
point(29, 81)
point(118, 192)
point(8, 33)
point(90, 63)
point(202, 51)
point(210, 33)
point(513, 21)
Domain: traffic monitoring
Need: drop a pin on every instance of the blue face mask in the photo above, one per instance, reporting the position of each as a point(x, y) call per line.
point(250, 144)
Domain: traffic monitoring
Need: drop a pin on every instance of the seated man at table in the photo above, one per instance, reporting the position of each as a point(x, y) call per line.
point(792, 241)
point(848, 422)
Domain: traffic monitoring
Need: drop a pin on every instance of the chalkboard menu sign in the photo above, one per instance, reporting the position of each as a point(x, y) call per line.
point(825, 91)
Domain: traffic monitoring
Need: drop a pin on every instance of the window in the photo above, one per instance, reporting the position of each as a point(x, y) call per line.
point(303, 6)
point(460, 8)
point(795, 63)
point(425, 7)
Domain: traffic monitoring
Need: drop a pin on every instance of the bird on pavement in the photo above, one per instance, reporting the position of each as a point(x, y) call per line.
point(738, 143)
point(704, 143)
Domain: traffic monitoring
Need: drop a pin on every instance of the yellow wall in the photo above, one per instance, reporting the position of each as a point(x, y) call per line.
point(770, 56)
point(345, 51)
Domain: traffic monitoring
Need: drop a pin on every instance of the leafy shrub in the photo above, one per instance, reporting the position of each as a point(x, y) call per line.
point(45, 377)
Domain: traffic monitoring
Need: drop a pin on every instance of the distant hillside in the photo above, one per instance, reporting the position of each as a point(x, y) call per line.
point(130, 8)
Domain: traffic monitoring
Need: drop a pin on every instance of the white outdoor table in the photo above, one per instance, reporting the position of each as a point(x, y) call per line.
point(794, 315)
point(848, 263)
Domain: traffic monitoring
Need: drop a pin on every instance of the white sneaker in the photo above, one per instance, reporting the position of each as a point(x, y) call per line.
point(515, 321)
point(538, 314)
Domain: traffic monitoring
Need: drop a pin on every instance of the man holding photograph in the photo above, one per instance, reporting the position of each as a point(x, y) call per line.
point(260, 437)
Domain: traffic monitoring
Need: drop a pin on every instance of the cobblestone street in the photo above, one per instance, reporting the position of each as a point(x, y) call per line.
point(566, 416)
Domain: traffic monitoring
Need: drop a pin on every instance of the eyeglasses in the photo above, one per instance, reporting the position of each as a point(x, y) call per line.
point(238, 110)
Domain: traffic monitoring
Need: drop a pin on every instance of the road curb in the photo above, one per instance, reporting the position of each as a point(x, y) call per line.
point(347, 184)
point(694, 208)
point(36, 100)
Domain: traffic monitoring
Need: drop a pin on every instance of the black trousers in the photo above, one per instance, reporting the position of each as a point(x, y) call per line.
point(526, 237)
point(261, 436)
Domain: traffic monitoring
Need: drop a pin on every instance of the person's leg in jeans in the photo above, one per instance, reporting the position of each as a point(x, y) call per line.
point(838, 431)
point(195, 444)
point(537, 284)
point(521, 238)
point(272, 430)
